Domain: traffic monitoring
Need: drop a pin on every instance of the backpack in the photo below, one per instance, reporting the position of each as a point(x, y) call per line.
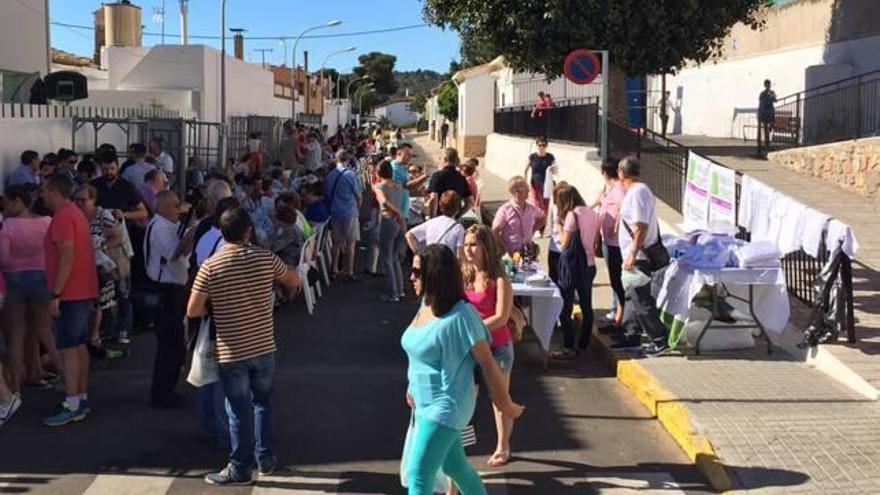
point(572, 261)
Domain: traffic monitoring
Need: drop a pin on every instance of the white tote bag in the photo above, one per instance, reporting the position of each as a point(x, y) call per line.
point(204, 369)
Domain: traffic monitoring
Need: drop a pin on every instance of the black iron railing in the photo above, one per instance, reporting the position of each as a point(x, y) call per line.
point(846, 109)
point(574, 121)
point(664, 170)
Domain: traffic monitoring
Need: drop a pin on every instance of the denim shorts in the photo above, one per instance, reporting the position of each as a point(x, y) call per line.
point(27, 287)
point(504, 357)
point(72, 325)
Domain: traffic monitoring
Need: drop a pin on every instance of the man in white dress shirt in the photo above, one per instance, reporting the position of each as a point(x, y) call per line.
point(166, 255)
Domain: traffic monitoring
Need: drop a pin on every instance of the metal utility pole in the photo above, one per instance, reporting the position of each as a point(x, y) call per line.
point(332, 23)
point(263, 54)
point(222, 163)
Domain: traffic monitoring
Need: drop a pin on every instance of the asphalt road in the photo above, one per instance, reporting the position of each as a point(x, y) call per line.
point(340, 419)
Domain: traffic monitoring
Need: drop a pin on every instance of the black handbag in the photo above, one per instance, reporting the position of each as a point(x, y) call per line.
point(572, 262)
point(655, 253)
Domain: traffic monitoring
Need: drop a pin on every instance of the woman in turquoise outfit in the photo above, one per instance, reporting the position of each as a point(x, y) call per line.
point(444, 343)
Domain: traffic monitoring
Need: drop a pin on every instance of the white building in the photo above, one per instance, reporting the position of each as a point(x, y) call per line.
point(25, 40)
point(476, 106)
point(804, 44)
point(397, 111)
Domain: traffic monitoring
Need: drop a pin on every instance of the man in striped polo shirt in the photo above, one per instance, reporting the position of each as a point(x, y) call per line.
point(237, 283)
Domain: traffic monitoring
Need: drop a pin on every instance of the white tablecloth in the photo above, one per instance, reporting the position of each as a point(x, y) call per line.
point(681, 284)
point(546, 305)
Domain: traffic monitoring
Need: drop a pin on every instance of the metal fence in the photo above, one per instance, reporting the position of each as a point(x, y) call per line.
point(34, 111)
point(664, 170)
point(270, 130)
point(524, 89)
point(846, 109)
point(575, 121)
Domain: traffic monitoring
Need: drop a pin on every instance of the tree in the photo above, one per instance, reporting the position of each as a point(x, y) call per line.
point(380, 67)
point(644, 37)
point(419, 101)
point(475, 50)
point(447, 100)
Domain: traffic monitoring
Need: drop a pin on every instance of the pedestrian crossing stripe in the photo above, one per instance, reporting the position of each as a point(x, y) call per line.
point(122, 484)
point(324, 483)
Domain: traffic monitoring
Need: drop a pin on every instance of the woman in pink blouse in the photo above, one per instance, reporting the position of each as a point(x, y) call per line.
point(517, 220)
point(27, 293)
point(575, 216)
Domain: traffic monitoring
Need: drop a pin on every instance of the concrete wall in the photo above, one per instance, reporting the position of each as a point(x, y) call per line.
point(398, 113)
point(45, 135)
point(507, 156)
point(23, 36)
point(719, 99)
point(805, 23)
point(196, 69)
point(167, 99)
point(853, 165)
point(335, 115)
point(475, 113)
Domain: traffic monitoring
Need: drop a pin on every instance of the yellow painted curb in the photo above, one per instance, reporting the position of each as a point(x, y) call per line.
point(676, 419)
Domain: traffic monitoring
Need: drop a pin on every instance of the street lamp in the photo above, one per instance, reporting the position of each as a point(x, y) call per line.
point(324, 64)
point(332, 23)
point(348, 88)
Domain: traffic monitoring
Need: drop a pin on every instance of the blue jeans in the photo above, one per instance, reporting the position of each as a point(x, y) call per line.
point(584, 289)
point(248, 388)
point(213, 421)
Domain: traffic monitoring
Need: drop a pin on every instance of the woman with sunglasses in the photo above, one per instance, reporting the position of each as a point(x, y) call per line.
point(517, 220)
point(444, 343)
point(489, 290)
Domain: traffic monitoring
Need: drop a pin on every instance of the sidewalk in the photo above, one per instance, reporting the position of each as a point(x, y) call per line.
point(753, 422)
point(852, 208)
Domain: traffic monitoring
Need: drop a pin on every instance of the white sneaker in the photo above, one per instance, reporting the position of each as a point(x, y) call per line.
point(8, 409)
point(123, 338)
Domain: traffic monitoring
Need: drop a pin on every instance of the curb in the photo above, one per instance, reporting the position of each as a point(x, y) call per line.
point(671, 413)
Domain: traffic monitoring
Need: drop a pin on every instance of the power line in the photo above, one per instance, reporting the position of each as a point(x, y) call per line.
point(271, 38)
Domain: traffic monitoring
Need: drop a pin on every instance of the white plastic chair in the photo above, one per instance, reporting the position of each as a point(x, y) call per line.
point(307, 257)
point(323, 258)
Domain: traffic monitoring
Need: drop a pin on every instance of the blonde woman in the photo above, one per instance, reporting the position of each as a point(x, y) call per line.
point(489, 290)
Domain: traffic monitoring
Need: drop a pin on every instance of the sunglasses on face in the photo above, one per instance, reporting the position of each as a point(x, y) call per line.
point(416, 272)
point(542, 145)
point(81, 200)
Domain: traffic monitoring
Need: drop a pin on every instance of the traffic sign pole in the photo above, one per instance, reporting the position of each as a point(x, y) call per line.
point(606, 79)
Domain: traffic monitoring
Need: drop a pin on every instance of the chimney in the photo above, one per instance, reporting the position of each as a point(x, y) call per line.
point(238, 42)
point(184, 22)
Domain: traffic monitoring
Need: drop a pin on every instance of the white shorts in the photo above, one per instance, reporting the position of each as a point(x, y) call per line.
point(345, 231)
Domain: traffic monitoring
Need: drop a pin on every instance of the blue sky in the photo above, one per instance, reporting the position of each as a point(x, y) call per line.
point(421, 48)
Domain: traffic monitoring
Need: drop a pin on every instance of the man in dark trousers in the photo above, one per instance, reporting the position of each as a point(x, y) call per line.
point(444, 131)
point(166, 254)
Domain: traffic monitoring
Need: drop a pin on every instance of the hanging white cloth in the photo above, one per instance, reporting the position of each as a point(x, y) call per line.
point(814, 228)
point(790, 227)
point(841, 236)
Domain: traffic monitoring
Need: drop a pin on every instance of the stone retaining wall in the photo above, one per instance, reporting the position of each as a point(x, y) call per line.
point(854, 165)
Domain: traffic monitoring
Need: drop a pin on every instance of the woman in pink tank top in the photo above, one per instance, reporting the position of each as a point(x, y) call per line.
point(27, 293)
point(489, 290)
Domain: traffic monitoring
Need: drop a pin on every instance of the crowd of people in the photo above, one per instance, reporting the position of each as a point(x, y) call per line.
point(91, 246)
